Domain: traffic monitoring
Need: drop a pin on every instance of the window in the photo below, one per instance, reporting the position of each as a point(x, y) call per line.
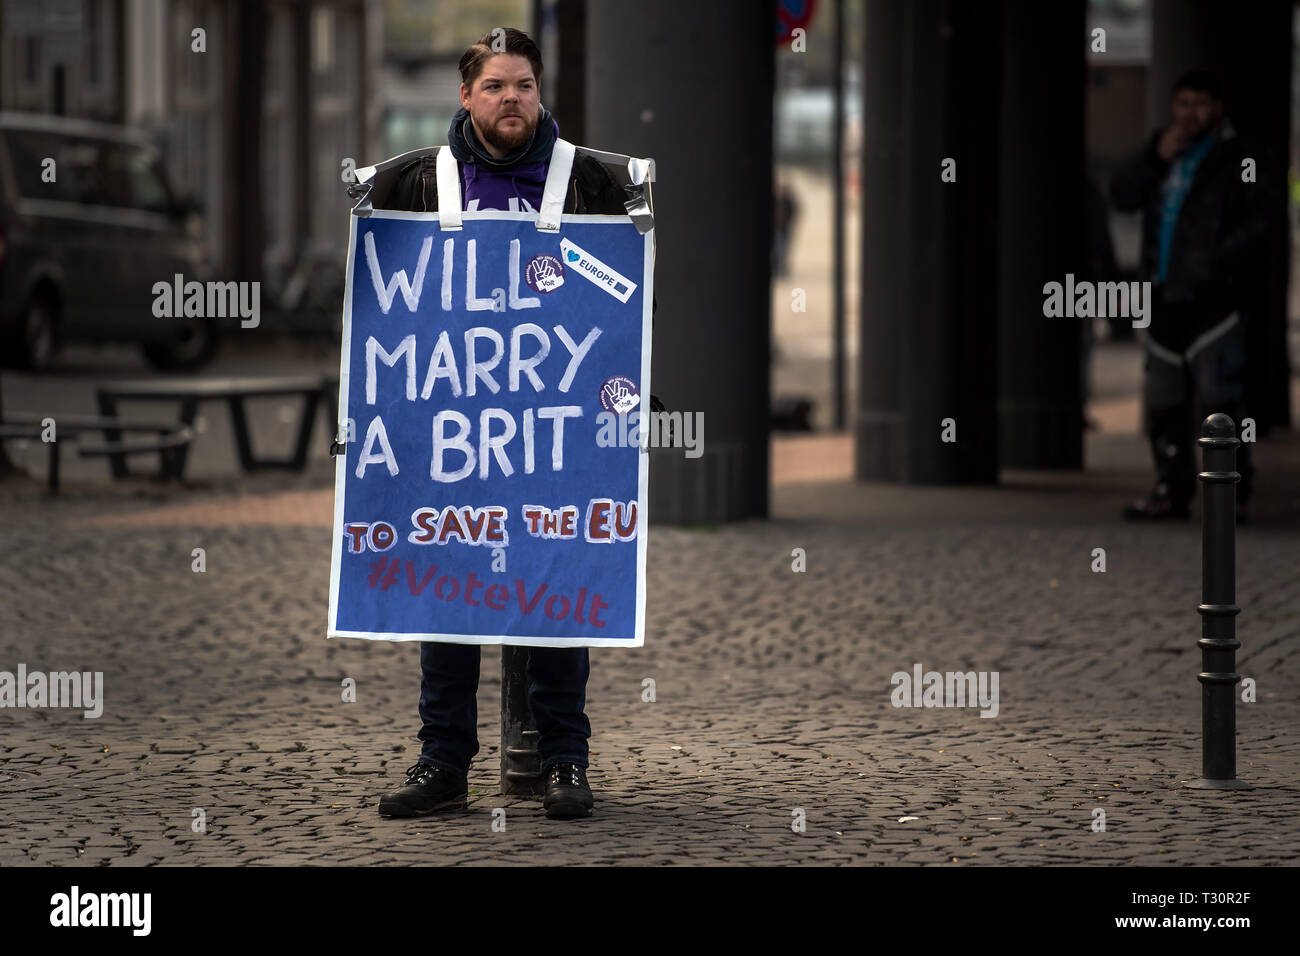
point(132, 179)
point(148, 188)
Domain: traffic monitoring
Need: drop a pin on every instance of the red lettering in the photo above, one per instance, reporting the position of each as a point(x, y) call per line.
point(582, 599)
point(495, 597)
point(598, 519)
point(450, 524)
point(382, 535)
point(597, 605)
point(386, 569)
point(472, 584)
point(624, 532)
point(475, 525)
point(537, 596)
point(494, 530)
point(417, 589)
point(438, 588)
point(531, 515)
point(567, 518)
point(425, 519)
point(358, 534)
point(550, 523)
point(550, 607)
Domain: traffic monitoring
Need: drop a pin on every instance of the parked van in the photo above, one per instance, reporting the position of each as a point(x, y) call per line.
point(88, 225)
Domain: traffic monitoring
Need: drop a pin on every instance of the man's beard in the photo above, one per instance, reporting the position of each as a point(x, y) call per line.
point(507, 141)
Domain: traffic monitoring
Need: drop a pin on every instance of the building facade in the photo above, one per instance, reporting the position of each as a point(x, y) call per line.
point(259, 107)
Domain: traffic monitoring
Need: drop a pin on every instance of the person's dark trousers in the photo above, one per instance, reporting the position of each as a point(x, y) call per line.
point(557, 690)
point(1183, 387)
point(557, 693)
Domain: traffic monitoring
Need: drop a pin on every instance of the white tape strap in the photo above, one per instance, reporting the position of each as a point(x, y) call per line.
point(449, 201)
point(557, 186)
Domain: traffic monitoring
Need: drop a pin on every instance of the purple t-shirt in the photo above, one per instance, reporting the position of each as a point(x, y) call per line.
point(517, 190)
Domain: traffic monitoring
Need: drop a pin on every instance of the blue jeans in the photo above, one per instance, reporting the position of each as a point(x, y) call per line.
point(557, 694)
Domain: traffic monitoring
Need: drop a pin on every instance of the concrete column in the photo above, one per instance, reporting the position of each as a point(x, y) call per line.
point(1041, 232)
point(695, 93)
point(244, 83)
point(144, 63)
point(566, 97)
point(928, 263)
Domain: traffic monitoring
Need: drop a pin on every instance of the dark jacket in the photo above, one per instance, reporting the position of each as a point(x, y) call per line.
point(593, 189)
point(1221, 229)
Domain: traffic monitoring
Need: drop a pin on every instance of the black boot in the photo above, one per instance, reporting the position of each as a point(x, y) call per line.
point(427, 789)
point(567, 793)
point(1161, 504)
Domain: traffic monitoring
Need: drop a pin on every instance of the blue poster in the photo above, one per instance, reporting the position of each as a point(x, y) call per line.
point(493, 488)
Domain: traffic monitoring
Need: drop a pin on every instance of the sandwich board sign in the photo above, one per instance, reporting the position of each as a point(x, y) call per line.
point(492, 487)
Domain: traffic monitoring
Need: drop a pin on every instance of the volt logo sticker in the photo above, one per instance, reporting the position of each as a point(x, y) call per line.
point(589, 267)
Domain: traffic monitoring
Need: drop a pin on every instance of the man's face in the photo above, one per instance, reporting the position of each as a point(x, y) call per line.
point(504, 103)
point(1196, 112)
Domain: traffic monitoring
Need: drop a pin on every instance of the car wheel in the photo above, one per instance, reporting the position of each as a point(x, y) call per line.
point(39, 335)
point(192, 346)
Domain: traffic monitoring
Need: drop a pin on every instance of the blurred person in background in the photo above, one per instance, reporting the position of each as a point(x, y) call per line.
point(1203, 229)
point(785, 210)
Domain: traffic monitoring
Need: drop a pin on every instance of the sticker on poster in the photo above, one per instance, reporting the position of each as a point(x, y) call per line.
point(544, 273)
point(619, 395)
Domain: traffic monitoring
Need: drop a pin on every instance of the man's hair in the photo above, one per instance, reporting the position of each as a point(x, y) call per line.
point(500, 40)
point(1200, 81)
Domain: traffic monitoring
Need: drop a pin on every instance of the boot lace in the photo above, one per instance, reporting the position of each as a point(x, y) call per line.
point(566, 775)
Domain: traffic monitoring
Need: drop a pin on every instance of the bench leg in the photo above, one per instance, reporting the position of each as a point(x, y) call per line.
point(331, 397)
point(167, 461)
point(189, 412)
point(54, 468)
point(243, 441)
point(108, 409)
point(311, 399)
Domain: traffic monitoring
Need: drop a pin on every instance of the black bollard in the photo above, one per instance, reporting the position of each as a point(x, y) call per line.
point(1218, 610)
point(521, 767)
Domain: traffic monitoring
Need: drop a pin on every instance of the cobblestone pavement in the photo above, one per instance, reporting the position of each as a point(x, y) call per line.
point(773, 687)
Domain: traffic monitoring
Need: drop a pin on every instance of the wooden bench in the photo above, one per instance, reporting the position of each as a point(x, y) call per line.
point(169, 440)
point(189, 393)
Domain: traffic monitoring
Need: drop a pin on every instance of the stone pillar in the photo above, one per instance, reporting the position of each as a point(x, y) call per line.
point(928, 264)
point(694, 92)
point(1041, 232)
